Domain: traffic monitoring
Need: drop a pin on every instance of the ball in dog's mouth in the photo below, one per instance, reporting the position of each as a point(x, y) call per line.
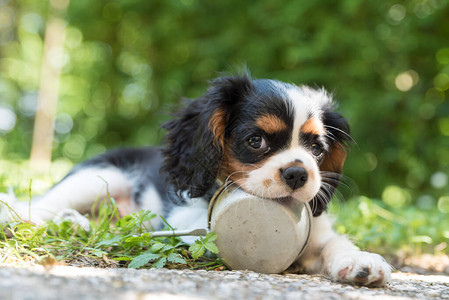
point(257, 234)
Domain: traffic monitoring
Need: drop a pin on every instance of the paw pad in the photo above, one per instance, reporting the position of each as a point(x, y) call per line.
point(360, 268)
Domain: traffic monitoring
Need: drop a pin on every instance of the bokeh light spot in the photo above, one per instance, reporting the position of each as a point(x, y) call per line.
point(396, 13)
point(58, 58)
point(74, 37)
point(441, 81)
point(406, 80)
point(395, 196)
point(74, 147)
point(383, 31)
point(32, 22)
point(7, 119)
point(423, 9)
point(443, 204)
point(434, 95)
point(426, 202)
point(133, 64)
point(63, 124)
point(134, 93)
point(438, 180)
point(28, 104)
point(442, 56)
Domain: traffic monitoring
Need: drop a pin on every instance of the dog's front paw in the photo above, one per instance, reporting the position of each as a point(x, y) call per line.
point(360, 268)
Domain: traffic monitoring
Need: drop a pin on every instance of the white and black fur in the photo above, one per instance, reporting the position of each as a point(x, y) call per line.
point(272, 139)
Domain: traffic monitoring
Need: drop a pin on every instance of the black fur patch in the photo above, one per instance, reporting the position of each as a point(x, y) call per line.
point(267, 98)
point(191, 156)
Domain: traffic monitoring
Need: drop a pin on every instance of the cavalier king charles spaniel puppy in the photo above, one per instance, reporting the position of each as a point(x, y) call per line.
point(272, 139)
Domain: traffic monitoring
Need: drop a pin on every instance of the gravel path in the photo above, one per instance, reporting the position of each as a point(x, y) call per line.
point(63, 282)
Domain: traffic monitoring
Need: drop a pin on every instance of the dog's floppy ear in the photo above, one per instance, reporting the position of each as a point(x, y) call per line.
point(196, 136)
point(338, 135)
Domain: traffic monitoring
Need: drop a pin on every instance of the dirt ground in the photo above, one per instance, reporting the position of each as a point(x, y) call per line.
point(68, 282)
point(421, 277)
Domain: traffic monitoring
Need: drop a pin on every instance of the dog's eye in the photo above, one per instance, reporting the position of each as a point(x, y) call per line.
point(257, 142)
point(317, 149)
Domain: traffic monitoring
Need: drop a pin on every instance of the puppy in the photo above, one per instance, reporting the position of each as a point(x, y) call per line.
point(273, 139)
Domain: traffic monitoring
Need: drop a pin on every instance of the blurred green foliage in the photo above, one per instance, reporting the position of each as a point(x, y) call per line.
point(127, 63)
point(388, 230)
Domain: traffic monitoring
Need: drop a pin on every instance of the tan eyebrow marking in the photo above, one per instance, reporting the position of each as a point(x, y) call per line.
point(271, 124)
point(313, 125)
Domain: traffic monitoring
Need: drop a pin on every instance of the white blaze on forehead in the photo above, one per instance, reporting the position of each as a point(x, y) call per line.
point(306, 103)
point(301, 109)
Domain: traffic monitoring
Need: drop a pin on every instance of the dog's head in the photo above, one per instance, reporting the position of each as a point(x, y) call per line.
point(274, 140)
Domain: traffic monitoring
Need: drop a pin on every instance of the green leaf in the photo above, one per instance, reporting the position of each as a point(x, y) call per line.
point(211, 247)
point(197, 249)
point(157, 247)
point(160, 263)
point(210, 236)
point(143, 259)
point(146, 215)
point(176, 258)
point(123, 258)
point(167, 248)
point(132, 241)
point(110, 242)
point(98, 252)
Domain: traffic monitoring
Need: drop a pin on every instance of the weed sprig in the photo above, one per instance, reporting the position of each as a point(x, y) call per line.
point(111, 241)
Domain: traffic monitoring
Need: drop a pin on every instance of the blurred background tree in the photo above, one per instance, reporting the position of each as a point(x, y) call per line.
point(126, 63)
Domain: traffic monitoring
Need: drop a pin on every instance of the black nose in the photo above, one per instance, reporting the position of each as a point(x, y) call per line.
point(294, 177)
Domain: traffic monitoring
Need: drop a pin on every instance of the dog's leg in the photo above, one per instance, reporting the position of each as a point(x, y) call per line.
point(335, 256)
point(192, 215)
point(78, 191)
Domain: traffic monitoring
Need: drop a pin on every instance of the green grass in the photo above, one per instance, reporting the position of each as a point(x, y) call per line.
point(379, 227)
point(111, 240)
point(116, 241)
